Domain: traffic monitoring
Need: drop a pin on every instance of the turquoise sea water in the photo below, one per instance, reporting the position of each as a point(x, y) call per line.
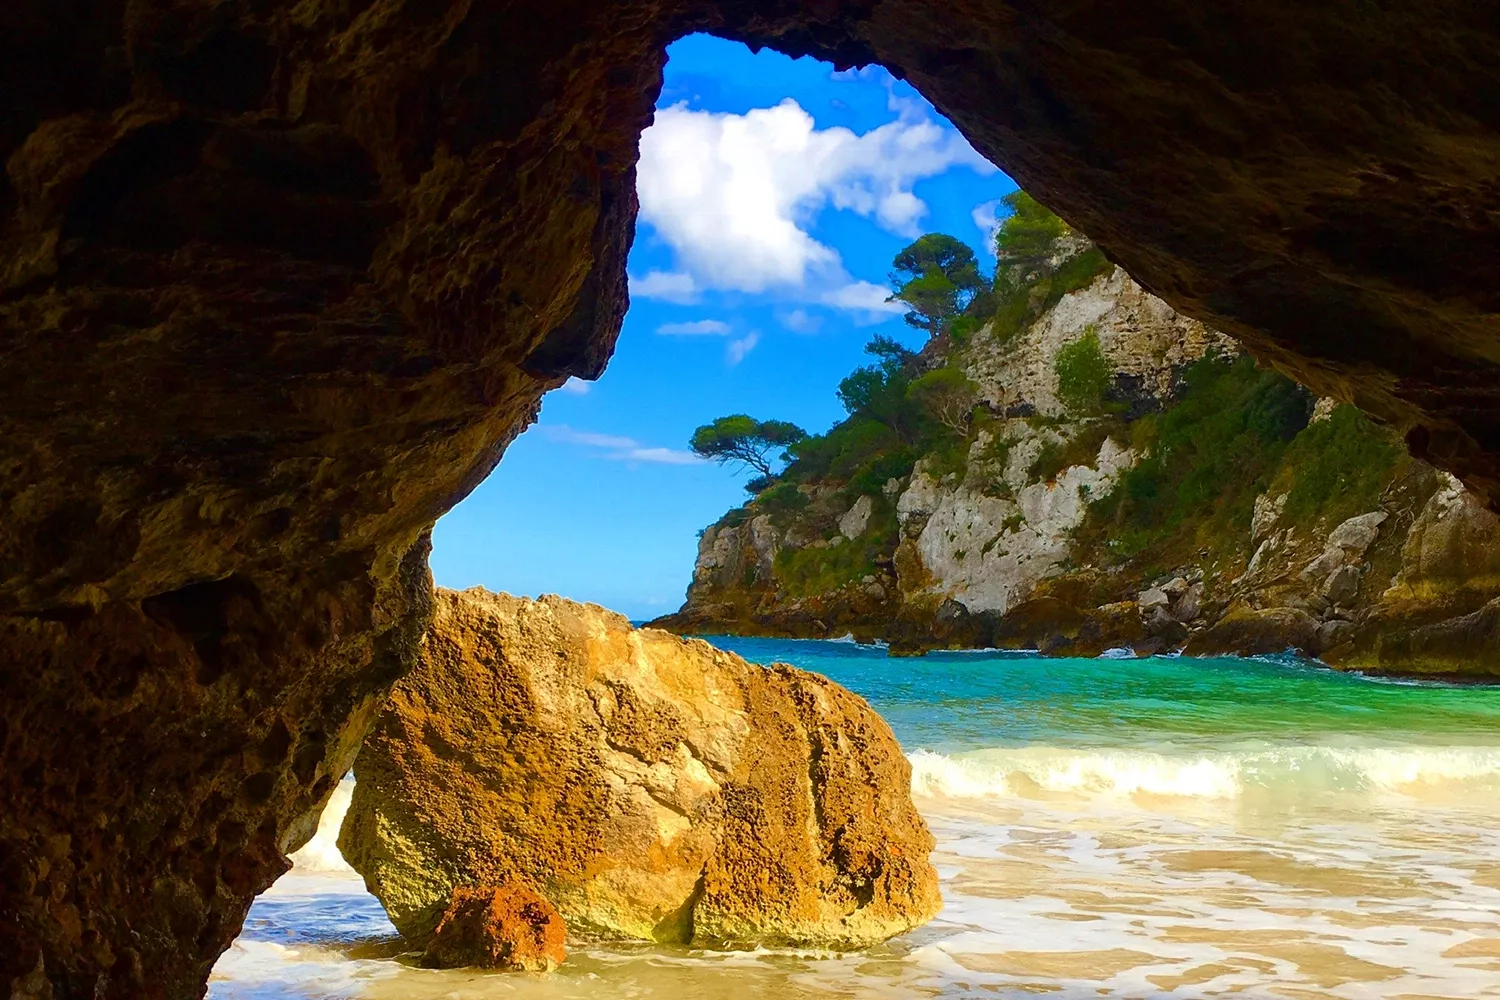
point(955, 701)
point(1111, 827)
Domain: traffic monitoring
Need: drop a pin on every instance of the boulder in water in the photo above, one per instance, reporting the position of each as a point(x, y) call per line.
point(649, 786)
point(509, 927)
point(1246, 631)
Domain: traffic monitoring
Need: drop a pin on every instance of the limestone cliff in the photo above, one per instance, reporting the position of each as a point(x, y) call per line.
point(1204, 504)
point(647, 786)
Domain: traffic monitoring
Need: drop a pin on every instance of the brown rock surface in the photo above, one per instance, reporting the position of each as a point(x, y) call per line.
point(648, 786)
point(1461, 648)
point(1246, 631)
point(279, 281)
point(506, 928)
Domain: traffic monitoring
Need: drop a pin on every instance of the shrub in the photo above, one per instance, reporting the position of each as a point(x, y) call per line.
point(840, 452)
point(1339, 467)
point(1083, 373)
point(782, 502)
point(871, 477)
point(1027, 239)
point(947, 396)
point(961, 328)
point(810, 571)
point(878, 391)
point(1082, 448)
point(1018, 304)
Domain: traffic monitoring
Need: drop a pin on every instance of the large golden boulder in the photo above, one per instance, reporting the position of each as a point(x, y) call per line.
point(650, 787)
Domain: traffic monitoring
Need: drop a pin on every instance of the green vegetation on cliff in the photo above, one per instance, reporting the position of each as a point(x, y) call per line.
point(1338, 467)
point(812, 570)
point(1083, 374)
point(1201, 453)
point(1206, 458)
point(1234, 432)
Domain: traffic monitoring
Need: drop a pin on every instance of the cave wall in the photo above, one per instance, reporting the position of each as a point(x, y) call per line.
point(279, 282)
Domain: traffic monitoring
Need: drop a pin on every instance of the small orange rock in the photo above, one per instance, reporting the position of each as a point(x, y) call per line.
point(506, 928)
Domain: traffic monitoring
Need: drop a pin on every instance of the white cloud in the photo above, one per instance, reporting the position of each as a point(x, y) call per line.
point(736, 350)
point(567, 435)
point(575, 386)
point(620, 449)
point(695, 328)
point(666, 456)
point(734, 196)
point(801, 321)
point(673, 286)
point(865, 297)
point(987, 217)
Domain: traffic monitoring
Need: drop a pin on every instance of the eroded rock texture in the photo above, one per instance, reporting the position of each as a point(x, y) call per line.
point(506, 928)
point(649, 787)
point(278, 281)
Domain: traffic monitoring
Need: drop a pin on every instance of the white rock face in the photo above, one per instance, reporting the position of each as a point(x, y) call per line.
point(1152, 599)
point(1357, 534)
point(764, 538)
point(718, 553)
point(854, 523)
point(1139, 334)
point(1267, 512)
point(987, 552)
point(1337, 566)
point(1323, 409)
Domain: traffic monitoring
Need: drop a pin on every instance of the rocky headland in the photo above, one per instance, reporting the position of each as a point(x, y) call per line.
point(1195, 501)
point(647, 786)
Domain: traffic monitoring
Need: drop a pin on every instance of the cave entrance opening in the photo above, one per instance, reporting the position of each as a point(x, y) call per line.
point(775, 193)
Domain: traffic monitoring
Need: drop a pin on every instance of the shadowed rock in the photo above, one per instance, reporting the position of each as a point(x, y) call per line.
point(648, 786)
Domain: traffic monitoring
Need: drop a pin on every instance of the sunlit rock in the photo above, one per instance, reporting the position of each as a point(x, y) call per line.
point(648, 786)
point(509, 927)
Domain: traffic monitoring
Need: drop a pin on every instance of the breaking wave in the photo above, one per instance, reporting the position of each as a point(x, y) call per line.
point(1020, 772)
point(321, 854)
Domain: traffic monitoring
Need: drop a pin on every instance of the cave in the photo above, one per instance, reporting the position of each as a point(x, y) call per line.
point(280, 282)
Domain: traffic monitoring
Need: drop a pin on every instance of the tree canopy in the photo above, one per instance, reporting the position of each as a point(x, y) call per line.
point(878, 391)
point(948, 396)
point(741, 439)
point(1026, 241)
point(937, 276)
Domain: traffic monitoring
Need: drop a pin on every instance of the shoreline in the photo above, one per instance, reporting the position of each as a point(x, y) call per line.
point(898, 650)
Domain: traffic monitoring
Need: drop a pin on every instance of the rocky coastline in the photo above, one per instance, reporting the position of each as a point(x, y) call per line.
point(1320, 536)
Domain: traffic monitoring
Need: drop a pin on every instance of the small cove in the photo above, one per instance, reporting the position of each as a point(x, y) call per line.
point(1109, 827)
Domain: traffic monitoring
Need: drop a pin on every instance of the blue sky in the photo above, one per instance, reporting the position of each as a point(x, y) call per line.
point(774, 193)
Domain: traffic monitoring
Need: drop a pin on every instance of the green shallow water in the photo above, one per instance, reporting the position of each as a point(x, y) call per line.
point(955, 701)
point(1106, 828)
